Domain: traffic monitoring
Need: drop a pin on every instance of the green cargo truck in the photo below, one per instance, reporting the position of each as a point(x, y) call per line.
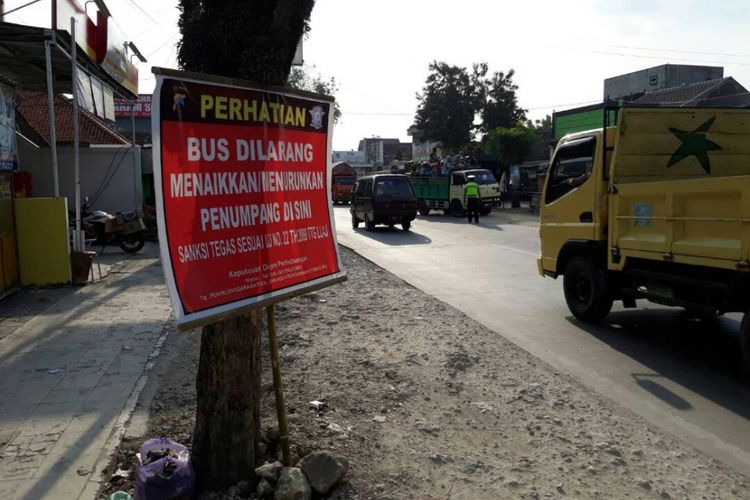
point(446, 192)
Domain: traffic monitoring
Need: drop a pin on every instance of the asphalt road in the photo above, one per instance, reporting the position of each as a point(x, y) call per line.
point(679, 373)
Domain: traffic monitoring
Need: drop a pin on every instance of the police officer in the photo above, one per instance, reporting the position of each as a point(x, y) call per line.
point(472, 199)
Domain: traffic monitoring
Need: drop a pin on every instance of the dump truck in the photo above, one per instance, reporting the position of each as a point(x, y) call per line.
point(446, 192)
point(343, 178)
point(656, 207)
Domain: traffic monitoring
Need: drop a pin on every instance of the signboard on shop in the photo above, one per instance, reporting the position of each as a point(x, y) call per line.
point(103, 41)
point(87, 34)
point(116, 60)
point(140, 108)
point(242, 178)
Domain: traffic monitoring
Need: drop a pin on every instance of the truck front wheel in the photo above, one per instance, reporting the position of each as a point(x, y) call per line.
point(457, 210)
point(423, 208)
point(745, 340)
point(585, 290)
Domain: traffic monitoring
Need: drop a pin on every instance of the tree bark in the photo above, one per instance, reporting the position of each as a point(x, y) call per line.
point(255, 40)
point(227, 423)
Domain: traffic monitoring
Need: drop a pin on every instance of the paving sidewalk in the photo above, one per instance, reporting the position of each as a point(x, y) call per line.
point(72, 363)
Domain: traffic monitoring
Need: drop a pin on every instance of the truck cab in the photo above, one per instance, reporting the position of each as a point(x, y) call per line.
point(656, 208)
point(343, 179)
point(489, 189)
point(446, 192)
point(573, 208)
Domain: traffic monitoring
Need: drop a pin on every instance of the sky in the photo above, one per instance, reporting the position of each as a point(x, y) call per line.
point(379, 52)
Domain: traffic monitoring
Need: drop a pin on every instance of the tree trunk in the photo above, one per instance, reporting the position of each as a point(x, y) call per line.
point(227, 421)
point(254, 40)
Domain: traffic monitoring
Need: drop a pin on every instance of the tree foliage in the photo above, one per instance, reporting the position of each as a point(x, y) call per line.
point(543, 124)
point(501, 102)
point(312, 81)
point(250, 39)
point(453, 98)
point(448, 103)
point(511, 145)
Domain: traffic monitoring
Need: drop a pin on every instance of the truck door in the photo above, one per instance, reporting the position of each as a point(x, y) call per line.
point(568, 205)
point(458, 181)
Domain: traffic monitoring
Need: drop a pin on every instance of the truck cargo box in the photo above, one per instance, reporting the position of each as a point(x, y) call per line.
point(680, 187)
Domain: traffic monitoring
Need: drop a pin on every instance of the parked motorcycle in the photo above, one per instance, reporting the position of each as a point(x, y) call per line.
point(126, 229)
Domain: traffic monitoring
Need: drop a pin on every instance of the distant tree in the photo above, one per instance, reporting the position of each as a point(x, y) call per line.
point(500, 108)
point(510, 145)
point(448, 104)
point(309, 79)
point(543, 129)
point(543, 124)
point(254, 40)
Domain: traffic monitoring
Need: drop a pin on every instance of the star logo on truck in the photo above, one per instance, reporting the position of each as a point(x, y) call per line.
point(694, 144)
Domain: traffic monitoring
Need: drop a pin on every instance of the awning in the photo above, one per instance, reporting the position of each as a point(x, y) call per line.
point(22, 60)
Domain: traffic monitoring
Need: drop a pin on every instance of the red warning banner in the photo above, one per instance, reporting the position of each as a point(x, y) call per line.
point(242, 179)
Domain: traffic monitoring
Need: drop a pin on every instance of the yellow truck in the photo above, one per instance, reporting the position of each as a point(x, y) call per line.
point(657, 208)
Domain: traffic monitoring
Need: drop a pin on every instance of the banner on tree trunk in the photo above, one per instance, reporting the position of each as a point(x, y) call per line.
point(242, 178)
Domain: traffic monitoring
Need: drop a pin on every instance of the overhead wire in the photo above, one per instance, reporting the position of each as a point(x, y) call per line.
point(162, 45)
point(364, 113)
point(582, 103)
point(722, 54)
point(137, 6)
point(681, 59)
point(109, 175)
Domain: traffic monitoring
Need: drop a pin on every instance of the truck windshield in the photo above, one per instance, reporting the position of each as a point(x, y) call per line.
point(483, 177)
point(571, 167)
point(393, 188)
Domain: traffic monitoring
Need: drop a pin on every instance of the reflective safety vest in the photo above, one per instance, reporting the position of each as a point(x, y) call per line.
point(472, 189)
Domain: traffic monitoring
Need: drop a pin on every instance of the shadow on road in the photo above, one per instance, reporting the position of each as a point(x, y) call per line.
point(495, 220)
point(484, 222)
point(394, 236)
point(646, 382)
point(701, 355)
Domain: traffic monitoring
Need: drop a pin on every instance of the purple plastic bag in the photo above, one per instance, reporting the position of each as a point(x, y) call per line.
point(164, 471)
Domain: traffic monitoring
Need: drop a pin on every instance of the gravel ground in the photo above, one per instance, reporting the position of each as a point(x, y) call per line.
point(426, 403)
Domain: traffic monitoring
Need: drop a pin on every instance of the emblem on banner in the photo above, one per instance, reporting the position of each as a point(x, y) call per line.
point(317, 117)
point(178, 98)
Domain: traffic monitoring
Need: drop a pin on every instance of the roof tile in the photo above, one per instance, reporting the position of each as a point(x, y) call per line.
point(33, 106)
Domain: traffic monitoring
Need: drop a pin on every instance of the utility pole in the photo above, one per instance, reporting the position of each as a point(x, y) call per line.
point(2, 11)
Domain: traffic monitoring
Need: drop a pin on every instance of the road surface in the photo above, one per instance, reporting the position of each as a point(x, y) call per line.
point(679, 373)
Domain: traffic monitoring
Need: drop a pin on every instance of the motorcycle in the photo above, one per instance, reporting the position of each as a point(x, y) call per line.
point(126, 229)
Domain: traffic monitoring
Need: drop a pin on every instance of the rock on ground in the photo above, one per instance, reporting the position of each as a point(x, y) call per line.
point(270, 471)
point(323, 470)
point(292, 485)
point(264, 489)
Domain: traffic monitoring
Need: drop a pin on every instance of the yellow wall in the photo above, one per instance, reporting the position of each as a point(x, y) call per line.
point(42, 231)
